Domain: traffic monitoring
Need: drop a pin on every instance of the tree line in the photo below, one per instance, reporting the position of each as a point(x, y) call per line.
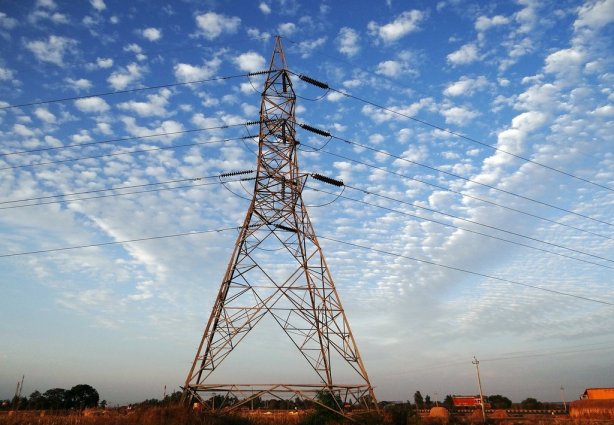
point(496, 401)
point(79, 397)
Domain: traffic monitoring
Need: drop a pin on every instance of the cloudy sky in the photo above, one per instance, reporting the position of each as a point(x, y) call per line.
point(475, 143)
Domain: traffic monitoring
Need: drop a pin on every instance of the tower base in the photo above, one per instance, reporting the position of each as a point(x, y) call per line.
point(339, 398)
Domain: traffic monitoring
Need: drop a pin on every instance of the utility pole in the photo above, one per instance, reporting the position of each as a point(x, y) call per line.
point(477, 368)
point(18, 392)
point(563, 397)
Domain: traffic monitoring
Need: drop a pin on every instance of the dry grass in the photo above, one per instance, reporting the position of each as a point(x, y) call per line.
point(592, 409)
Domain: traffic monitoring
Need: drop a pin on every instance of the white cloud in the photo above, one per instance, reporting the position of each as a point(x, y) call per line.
point(483, 22)
point(212, 25)
point(119, 80)
point(512, 139)
point(465, 86)
point(137, 50)
point(347, 41)
point(152, 34)
point(82, 137)
point(596, 14)
point(264, 8)
point(389, 68)
point(55, 17)
point(22, 130)
point(49, 4)
point(185, 72)
point(104, 62)
point(308, 46)
point(6, 74)
point(404, 24)
point(255, 33)
point(466, 54)
point(43, 114)
point(99, 5)
point(52, 50)
point(527, 17)
point(155, 105)
point(458, 115)
point(92, 104)
point(250, 61)
point(104, 128)
point(168, 126)
point(7, 22)
point(399, 113)
point(604, 111)
point(334, 96)
point(286, 29)
point(564, 61)
point(80, 84)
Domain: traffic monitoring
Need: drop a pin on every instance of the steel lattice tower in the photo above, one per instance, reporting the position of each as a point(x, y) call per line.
point(299, 294)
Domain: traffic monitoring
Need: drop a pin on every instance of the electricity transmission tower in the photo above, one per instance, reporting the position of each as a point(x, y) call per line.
point(298, 292)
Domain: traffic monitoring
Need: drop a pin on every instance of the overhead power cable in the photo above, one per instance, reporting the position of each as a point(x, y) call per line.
point(507, 192)
point(150, 238)
point(458, 269)
point(200, 232)
point(125, 139)
point(504, 356)
point(86, 192)
point(405, 176)
point(67, 197)
point(112, 195)
point(448, 131)
point(430, 220)
point(111, 93)
point(185, 145)
point(466, 220)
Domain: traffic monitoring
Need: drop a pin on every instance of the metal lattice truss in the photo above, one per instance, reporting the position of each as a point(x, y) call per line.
point(298, 292)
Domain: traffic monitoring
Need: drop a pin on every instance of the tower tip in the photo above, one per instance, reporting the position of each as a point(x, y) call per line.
point(278, 60)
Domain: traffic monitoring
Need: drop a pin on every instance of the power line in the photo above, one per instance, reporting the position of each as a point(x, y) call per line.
point(380, 151)
point(405, 176)
point(110, 195)
point(124, 139)
point(150, 238)
point(111, 93)
point(481, 224)
point(58, 195)
point(546, 354)
point(504, 357)
point(473, 140)
point(451, 132)
point(339, 196)
point(199, 232)
point(211, 142)
point(500, 279)
point(469, 230)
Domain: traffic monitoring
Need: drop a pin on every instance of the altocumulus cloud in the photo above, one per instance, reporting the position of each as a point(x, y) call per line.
point(212, 25)
point(250, 61)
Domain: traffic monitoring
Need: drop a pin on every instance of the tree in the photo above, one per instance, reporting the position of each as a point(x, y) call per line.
point(82, 396)
point(498, 401)
point(37, 401)
point(418, 400)
point(530, 404)
point(427, 402)
point(55, 398)
point(448, 402)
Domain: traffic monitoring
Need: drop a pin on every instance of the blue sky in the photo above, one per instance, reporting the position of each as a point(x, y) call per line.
point(423, 182)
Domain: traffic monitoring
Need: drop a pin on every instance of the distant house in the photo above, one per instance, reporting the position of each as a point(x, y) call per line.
point(468, 401)
point(598, 394)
